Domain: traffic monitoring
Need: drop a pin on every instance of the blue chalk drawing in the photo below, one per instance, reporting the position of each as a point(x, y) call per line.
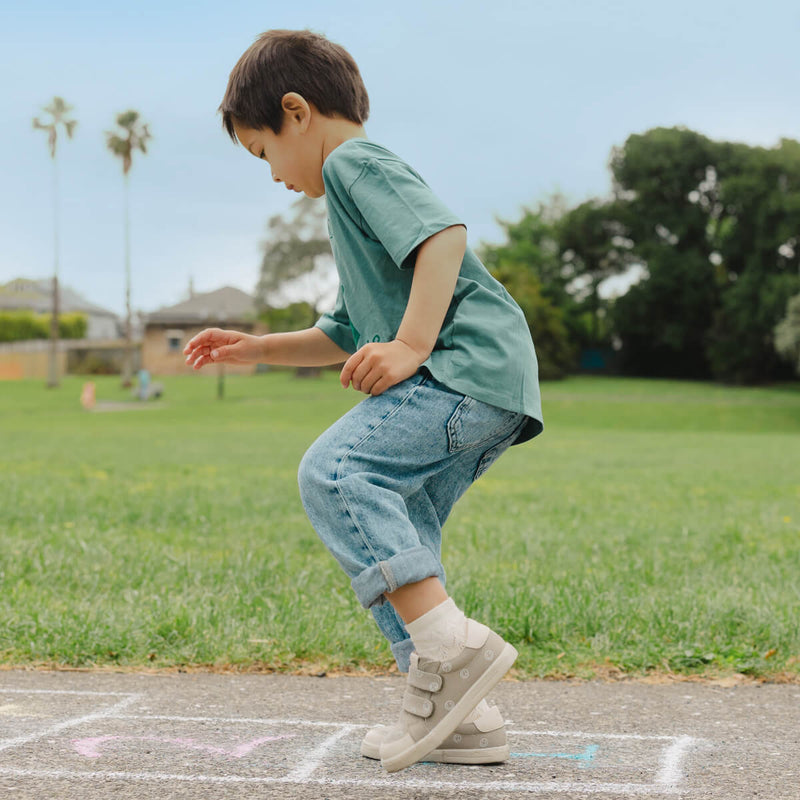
point(586, 757)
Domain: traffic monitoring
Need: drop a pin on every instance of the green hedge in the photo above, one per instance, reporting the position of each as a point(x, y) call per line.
point(20, 326)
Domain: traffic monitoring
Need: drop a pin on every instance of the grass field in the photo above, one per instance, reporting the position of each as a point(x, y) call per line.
point(654, 526)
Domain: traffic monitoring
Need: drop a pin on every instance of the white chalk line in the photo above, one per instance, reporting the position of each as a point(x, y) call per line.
point(67, 692)
point(305, 770)
point(584, 735)
point(259, 721)
point(533, 787)
point(670, 773)
point(246, 720)
point(107, 713)
point(356, 725)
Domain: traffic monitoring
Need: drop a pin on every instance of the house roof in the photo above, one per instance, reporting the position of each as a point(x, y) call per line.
point(225, 305)
point(26, 294)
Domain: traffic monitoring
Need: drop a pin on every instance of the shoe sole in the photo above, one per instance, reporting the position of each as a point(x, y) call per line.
point(483, 755)
point(448, 723)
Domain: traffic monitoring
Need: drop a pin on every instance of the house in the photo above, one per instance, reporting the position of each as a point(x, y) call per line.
point(100, 351)
point(167, 330)
point(25, 294)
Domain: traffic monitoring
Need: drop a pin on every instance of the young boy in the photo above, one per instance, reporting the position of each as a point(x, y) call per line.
point(444, 354)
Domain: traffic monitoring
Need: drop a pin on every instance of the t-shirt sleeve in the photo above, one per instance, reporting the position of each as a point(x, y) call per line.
point(399, 207)
point(336, 325)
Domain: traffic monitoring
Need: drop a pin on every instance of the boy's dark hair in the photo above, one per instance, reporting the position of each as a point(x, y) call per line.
point(281, 61)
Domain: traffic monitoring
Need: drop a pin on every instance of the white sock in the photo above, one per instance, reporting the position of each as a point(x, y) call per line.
point(441, 633)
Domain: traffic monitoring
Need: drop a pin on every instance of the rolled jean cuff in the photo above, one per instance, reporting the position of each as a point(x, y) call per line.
point(402, 651)
point(385, 577)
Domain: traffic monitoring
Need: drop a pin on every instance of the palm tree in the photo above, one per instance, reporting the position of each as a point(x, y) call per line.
point(58, 111)
point(131, 135)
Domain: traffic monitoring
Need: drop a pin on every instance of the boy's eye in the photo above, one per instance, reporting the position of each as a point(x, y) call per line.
point(262, 154)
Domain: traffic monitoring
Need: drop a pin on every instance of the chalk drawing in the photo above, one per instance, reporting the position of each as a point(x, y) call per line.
point(306, 723)
point(105, 713)
point(670, 773)
point(317, 765)
point(313, 760)
point(586, 757)
point(390, 782)
point(91, 746)
point(68, 692)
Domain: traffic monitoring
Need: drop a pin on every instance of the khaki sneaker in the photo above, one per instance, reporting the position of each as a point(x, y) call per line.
point(482, 741)
point(440, 694)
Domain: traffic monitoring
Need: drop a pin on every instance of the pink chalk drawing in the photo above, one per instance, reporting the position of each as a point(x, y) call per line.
point(91, 747)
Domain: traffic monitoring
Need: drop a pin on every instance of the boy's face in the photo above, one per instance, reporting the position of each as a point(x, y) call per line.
point(293, 155)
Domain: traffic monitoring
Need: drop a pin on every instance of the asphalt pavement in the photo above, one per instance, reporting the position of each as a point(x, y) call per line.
point(71, 735)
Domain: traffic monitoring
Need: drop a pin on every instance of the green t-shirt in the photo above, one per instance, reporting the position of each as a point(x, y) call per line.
point(379, 212)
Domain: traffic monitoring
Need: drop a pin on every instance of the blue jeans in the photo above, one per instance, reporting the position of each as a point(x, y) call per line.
point(379, 484)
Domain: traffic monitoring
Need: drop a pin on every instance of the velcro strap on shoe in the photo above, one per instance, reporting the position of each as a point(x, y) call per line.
point(427, 681)
point(416, 705)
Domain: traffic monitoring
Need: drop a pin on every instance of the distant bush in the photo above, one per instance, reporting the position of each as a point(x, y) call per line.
point(71, 326)
point(93, 363)
point(21, 326)
point(290, 318)
point(18, 326)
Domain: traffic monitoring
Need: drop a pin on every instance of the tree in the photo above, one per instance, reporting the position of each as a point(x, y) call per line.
point(756, 236)
point(293, 317)
point(741, 340)
point(297, 265)
point(787, 334)
point(533, 241)
point(594, 244)
point(716, 225)
point(58, 111)
point(554, 351)
point(297, 262)
point(529, 265)
point(713, 227)
point(663, 321)
point(131, 135)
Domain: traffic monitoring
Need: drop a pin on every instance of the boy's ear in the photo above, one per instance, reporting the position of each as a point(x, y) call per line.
point(297, 109)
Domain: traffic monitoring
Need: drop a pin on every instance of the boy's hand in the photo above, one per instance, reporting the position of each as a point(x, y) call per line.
point(379, 365)
point(217, 346)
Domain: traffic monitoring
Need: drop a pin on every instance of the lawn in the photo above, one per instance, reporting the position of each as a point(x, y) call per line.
point(653, 527)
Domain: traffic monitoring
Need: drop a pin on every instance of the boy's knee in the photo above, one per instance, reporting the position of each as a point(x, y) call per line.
point(306, 474)
point(313, 475)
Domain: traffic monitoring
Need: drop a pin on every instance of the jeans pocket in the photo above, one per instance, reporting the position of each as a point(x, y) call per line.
point(493, 453)
point(474, 423)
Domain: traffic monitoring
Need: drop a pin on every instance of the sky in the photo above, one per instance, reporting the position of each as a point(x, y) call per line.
point(498, 104)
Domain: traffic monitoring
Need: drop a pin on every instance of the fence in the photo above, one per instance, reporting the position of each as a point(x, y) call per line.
point(31, 359)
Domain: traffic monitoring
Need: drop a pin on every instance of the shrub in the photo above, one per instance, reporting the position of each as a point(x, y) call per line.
point(21, 326)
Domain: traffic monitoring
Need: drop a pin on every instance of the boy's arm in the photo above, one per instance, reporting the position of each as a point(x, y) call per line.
point(307, 348)
point(377, 366)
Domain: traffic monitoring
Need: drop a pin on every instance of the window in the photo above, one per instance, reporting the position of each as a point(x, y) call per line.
point(174, 341)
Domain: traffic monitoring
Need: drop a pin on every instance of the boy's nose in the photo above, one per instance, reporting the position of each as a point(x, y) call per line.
point(275, 178)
